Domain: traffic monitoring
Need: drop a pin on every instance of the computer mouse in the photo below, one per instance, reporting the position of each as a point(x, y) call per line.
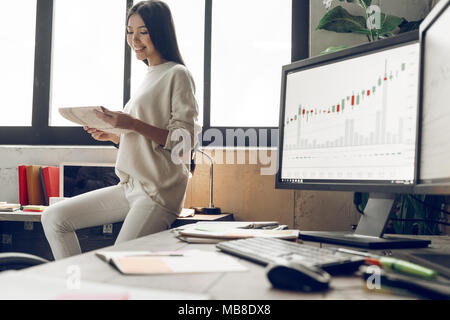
point(297, 277)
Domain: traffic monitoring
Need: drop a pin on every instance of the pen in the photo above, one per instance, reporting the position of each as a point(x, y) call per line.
point(398, 265)
point(263, 225)
point(163, 255)
point(358, 253)
point(404, 267)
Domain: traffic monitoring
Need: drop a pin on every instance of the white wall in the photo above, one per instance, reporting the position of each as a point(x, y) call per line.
point(13, 156)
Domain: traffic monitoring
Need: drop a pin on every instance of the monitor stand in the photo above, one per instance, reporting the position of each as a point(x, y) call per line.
point(370, 229)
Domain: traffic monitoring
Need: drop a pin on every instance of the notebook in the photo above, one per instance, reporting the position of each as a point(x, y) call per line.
point(189, 261)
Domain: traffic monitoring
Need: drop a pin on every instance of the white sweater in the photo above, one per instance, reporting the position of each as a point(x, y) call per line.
point(165, 99)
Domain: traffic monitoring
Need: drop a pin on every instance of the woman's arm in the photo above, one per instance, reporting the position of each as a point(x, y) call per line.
point(124, 121)
point(150, 132)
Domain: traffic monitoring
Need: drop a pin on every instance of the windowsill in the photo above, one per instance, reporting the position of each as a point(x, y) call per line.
point(240, 148)
point(7, 146)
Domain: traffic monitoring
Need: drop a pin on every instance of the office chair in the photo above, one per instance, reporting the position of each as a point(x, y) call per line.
point(19, 260)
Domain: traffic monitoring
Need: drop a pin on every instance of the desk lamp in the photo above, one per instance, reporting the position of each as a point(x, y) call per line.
point(211, 209)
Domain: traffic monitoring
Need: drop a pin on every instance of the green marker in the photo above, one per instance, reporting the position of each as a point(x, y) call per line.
point(398, 265)
point(407, 267)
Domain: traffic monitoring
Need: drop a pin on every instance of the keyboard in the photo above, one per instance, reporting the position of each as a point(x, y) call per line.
point(271, 250)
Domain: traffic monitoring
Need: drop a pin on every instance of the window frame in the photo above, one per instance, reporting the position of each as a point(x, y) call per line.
point(40, 133)
point(299, 50)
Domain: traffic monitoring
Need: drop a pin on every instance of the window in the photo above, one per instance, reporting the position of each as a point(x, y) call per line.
point(189, 20)
point(17, 36)
point(72, 54)
point(88, 55)
point(251, 40)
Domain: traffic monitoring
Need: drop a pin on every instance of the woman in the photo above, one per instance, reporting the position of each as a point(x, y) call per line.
point(152, 187)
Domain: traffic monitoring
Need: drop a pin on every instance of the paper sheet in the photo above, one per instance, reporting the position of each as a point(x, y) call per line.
point(192, 261)
point(86, 116)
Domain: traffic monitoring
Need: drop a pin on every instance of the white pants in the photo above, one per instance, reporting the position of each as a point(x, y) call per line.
point(124, 202)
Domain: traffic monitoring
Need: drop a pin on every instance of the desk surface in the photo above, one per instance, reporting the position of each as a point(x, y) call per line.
point(21, 216)
point(250, 285)
point(36, 217)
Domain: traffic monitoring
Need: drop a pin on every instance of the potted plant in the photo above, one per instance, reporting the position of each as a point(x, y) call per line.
point(372, 23)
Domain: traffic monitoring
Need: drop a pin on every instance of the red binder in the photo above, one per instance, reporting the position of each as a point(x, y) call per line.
point(23, 191)
point(51, 182)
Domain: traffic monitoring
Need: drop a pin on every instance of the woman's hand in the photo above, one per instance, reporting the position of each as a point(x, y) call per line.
point(116, 119)
point(100, 135)
point(122, 120)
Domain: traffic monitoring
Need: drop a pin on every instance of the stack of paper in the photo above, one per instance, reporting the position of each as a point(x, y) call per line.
point(185, 212)
point(31, 208)
point(86, 117)
point(232, 224)
point(215, 232)
point(9, 207)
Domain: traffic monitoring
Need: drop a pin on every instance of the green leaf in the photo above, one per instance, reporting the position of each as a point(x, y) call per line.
point(409, 213)
point(364, 200)
point(362, 3)
point(365, 3)
point(340, 20)
point(395, 214)
point(389, 23)
point(332, 49)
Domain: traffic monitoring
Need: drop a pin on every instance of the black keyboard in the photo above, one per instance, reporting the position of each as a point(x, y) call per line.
point(271, 250)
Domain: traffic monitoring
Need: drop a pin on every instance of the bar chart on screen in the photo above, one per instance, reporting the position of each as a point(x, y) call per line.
point(368, 119)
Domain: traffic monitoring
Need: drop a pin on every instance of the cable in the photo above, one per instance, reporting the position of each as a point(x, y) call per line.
point(359, 210)
point(357, 199)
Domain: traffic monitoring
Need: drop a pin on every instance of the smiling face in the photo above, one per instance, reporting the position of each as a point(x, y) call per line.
point(139, 40)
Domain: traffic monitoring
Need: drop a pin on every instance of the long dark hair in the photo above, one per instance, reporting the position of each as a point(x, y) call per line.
point(159, 23)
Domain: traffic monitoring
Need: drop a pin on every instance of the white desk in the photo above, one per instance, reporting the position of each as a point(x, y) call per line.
point(36, 217)
point(21, 216)
point(22, 231)
point(250, 285)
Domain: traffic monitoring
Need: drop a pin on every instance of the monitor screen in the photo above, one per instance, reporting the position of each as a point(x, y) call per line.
point(434, 156)
point(348, 120)
point(78, 178)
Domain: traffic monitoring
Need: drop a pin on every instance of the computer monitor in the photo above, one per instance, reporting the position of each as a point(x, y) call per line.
point(76, 178)
point(434, 133)
point(348, 122)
